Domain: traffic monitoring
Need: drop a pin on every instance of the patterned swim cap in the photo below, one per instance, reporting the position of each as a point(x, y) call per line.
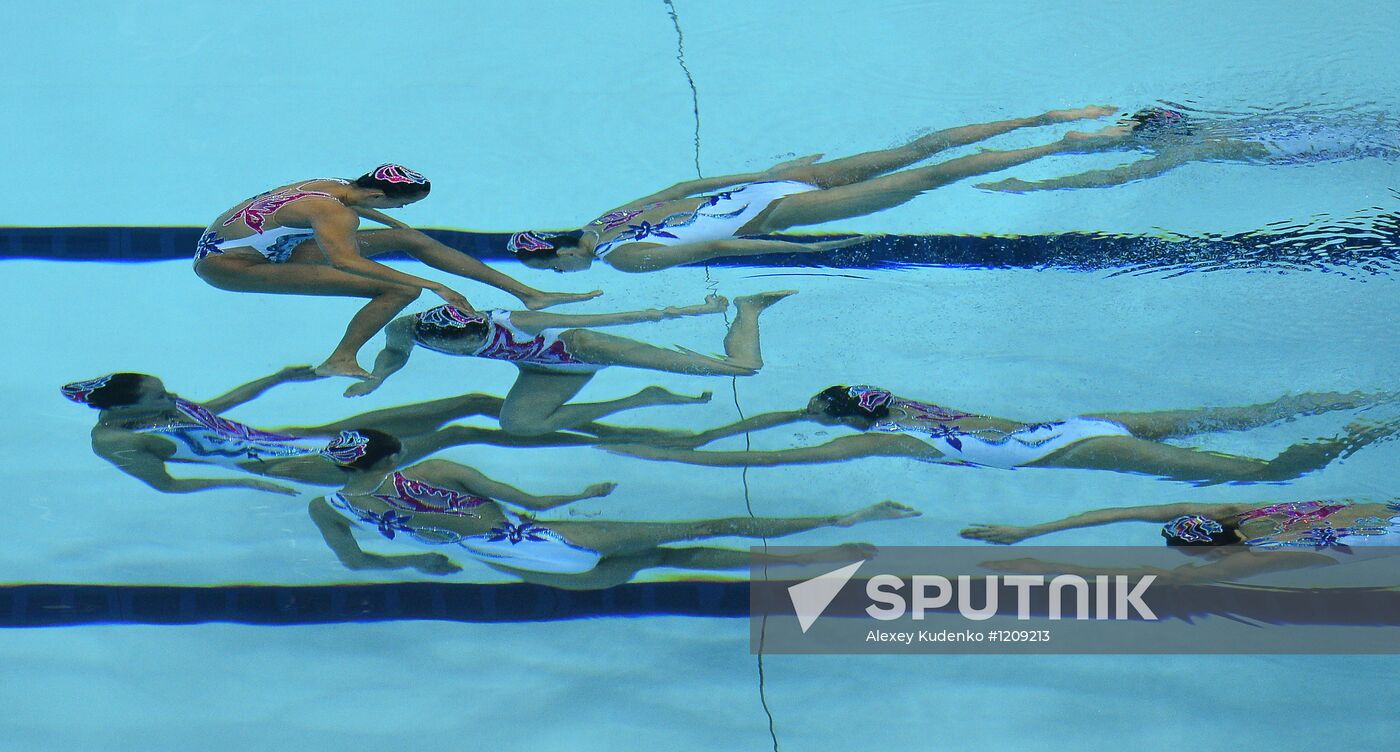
point(81, 391)
point(1192, 528)
point(397, 173)
point(346, 448)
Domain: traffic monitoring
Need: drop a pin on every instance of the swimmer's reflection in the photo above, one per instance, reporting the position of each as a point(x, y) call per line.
point(450, 507)
point(142, 426)
point(893, 426)
point(1175, 138)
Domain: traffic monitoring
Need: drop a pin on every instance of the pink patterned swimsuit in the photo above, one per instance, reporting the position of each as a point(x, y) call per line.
point(274, 243)
point(442, 327)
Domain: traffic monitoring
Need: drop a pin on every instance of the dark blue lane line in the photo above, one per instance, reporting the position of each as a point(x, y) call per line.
point(1348, 247)
point(39, 605)
point(49, 605)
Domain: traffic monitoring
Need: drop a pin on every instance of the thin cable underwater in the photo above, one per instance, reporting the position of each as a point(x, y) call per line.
point(712, 287)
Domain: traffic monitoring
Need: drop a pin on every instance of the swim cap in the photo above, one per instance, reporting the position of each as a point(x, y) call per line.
point(81, 391)
point(1192, 530)
point(529, 242)
point(346, 448)
point(870, 398)
point(397, 173)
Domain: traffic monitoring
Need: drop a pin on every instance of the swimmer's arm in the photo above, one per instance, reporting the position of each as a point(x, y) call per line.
point(754, 423)
point(474, 482)
point(336, 532)
point(1155, 513)
point(844, 448)
point(535, 322)
point(375, 215)
point(1139, 170)
point(335, 228)
point(644, 257)
point(129, 455)
point(254, 389)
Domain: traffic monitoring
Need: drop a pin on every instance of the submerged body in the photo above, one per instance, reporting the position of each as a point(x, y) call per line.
point(1125, 442)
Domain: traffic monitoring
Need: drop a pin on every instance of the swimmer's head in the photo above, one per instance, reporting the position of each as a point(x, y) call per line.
point(117, 390)
point(559, 251)
point(858, 406)
point(1155, 121)
point(1198, 530)
point(450, 322)
point(390, 186)
point(363, 449)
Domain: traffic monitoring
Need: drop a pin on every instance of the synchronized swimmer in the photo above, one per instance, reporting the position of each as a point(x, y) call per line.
point(892, 426)
point(442, 505)
point(1174, 138)
point(141, 427)
point(558, 354)
point(686, 223)
point(303, 239)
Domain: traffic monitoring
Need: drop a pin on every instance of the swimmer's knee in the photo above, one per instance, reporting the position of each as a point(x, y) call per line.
point(401, 293)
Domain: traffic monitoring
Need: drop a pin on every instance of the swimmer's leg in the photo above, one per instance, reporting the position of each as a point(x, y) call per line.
point(409, 420)
point(861, 167)
point(743, 356)
point(241, 274)
point(1126, 454)
point(626, 538)
point(870, 196)
point(1168, 424)
point(418, 245)
point(536, 403)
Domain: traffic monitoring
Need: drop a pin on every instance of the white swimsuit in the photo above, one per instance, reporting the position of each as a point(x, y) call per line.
point(721, 216)
point(517, 543)
point(206, 438)
point(1005, 449)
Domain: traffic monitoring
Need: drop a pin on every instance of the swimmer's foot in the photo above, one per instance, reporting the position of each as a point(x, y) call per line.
point(546, 299)
point(337, 367)
point(885, 510)
point(759, 301)
point(362, 388)
point(655, 395)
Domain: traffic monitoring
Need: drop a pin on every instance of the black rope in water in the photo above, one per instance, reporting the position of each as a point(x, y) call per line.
point(713, 287)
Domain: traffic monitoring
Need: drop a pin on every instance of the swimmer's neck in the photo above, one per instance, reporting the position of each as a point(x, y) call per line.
point(364, 483)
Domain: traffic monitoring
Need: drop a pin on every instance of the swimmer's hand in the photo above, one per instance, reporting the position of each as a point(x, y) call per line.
point(537, 300)
point(453, 298)
point(792, 164)
point(298, 373)
point(432, 564)
point(1003, 534)
point(1009, 185)
point(597, 491)
point(1080, 113)
point(361, 388)
point(712, 304)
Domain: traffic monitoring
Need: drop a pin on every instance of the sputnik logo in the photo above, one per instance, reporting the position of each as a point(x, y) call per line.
point(811, 597)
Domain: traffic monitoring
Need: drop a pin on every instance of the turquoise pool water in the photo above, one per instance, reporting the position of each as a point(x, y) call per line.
point(544, 115)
